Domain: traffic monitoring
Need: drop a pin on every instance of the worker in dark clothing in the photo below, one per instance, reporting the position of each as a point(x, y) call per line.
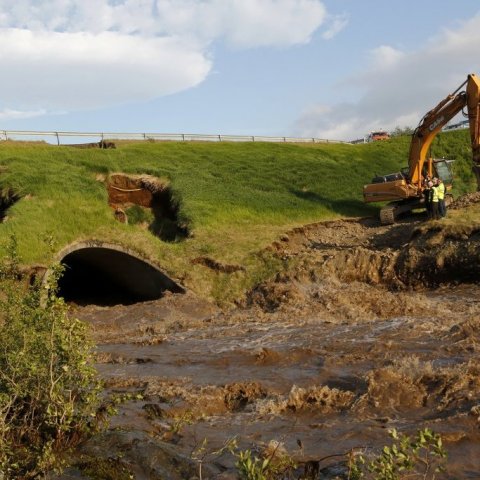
point(427, 192)
point(435, 200)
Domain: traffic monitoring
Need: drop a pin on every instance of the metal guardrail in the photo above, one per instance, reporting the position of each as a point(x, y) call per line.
point(457, 126)
point(178, 137)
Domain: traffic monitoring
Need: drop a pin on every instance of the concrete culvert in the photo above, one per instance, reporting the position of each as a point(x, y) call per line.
point(106, 274)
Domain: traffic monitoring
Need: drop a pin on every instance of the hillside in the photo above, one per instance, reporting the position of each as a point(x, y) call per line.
point(233, 198)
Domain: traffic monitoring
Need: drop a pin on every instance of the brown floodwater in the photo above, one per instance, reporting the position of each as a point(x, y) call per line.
point(344, 345)
point(310, 379)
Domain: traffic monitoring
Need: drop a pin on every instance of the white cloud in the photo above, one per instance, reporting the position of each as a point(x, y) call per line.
point(86, 70)
point(385, 57)
point(74, 54)
point(7, 114)
point(337, 24)
point(273, 22)
point(399, 87)
point(245, 23)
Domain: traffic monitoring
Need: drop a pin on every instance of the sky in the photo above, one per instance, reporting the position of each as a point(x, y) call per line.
point(332, 69)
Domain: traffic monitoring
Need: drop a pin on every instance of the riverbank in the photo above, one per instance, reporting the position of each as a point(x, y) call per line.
point(305, 322)
point(228, 201)
point(359, 333)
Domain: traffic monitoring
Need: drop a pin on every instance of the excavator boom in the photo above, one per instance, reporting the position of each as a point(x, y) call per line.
point(433, 122)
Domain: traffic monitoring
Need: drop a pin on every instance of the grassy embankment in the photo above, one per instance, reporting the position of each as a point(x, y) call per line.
point(237, 198)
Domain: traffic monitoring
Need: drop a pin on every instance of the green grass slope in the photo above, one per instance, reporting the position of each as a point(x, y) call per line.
point(236, 197)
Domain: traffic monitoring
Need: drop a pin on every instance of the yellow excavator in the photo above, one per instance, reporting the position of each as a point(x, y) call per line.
point(404, 190)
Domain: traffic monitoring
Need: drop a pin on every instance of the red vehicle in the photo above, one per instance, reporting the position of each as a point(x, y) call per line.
point(378, 135)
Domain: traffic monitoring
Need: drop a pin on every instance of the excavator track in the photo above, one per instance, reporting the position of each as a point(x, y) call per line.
point(390, 212)
point(387, 215)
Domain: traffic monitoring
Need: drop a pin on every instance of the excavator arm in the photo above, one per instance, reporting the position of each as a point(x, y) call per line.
point(473, 112)
point(433, 122)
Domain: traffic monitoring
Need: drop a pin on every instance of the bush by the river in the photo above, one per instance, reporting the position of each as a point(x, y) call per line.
point(49, 393)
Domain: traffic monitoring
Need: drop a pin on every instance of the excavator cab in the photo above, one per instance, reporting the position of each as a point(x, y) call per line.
point(443, 169)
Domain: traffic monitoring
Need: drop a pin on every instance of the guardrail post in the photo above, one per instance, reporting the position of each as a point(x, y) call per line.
point(183, 137)
point(219, 138)
point(253, 138)
point(58, 138)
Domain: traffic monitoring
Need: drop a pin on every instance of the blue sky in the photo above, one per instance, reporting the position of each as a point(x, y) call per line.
point(326, 68)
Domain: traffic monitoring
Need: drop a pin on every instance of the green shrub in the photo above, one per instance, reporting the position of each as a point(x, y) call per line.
point(49, 393)
point(420, 457)
point(273, 463)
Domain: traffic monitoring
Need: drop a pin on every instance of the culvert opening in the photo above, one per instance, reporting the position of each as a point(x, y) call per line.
point(107, 276)
point(146, 201)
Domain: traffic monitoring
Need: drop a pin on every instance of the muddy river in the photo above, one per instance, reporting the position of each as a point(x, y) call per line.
point(317, 363)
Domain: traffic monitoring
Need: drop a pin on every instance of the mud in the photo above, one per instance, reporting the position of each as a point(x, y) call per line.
point(368, 328)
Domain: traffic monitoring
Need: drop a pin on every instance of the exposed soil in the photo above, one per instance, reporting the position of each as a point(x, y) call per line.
point(465, 201)
point(368, 328)
point(148, 193)
point(217, 266)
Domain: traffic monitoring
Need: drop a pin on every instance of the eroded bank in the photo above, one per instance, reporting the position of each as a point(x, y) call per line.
point(349, 341)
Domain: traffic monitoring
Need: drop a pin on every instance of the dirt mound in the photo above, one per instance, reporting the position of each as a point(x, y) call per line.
point(440, 254)
point(410, 254)
point(465, 201)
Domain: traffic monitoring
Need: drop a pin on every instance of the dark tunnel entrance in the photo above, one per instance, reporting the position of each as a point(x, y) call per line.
point(108, 276)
